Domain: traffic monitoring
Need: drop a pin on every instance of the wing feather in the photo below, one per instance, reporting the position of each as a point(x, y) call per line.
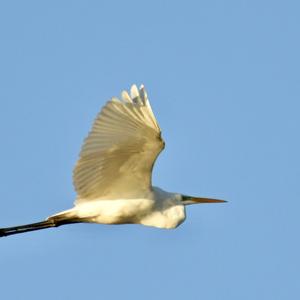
point(117, 157)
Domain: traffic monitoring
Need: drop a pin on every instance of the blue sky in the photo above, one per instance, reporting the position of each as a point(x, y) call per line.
point(223, 80)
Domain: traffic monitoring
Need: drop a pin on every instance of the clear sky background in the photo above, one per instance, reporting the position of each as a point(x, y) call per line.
point(223, 80)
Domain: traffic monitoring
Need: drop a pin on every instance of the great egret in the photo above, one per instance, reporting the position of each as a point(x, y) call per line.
point(112, 177)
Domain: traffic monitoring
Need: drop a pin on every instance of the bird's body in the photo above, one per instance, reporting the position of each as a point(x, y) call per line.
point(155, 208)
point(112, 177)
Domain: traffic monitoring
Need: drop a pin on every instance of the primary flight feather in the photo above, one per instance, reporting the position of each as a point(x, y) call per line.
point(112, 177)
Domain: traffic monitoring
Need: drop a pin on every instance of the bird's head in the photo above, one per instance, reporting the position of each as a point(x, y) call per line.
point(186, 200)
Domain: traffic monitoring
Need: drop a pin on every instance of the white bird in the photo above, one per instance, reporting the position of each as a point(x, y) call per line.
point(112, 177)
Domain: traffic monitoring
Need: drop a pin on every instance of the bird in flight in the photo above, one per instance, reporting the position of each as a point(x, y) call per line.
point(112, 177)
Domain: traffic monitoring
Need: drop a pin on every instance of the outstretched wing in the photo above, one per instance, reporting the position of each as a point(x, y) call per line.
point(118, 155)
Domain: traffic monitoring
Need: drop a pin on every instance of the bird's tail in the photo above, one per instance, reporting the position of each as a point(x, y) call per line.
point(51, 222)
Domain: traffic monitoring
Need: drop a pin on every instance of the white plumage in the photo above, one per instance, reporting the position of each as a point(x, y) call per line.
point(112, 177)
point(117, 157)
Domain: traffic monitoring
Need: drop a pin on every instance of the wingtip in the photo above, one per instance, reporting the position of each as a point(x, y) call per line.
point(115, 99)
point(134, 92)
point(126, 97)
point(143, 94)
